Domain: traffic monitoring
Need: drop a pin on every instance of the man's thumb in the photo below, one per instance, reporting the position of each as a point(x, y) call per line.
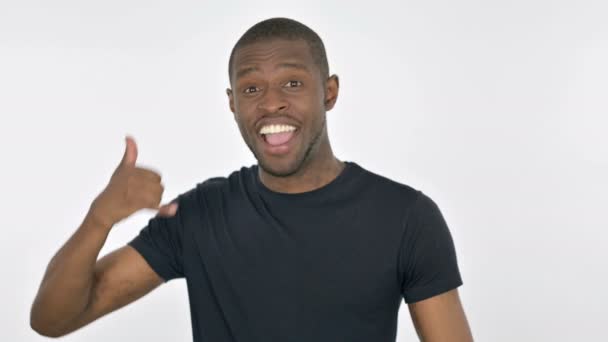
point(130, 156)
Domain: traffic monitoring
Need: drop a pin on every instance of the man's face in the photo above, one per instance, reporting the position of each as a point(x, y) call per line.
point(279, 100)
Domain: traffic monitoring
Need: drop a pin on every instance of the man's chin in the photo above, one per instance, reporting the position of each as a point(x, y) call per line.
point(279, 168)
point(284, 166)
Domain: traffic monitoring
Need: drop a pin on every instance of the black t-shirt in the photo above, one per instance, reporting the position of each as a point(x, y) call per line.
point(331, 264)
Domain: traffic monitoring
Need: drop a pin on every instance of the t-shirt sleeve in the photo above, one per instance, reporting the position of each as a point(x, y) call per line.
point(160, 243)
point(428, 264)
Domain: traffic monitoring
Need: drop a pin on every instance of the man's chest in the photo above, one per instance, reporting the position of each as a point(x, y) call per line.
point(319, 263)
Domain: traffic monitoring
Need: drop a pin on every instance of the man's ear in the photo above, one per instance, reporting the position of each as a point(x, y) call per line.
point(230, 99)
point(332, 87)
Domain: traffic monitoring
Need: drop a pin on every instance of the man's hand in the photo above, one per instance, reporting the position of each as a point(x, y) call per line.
point(130, 189)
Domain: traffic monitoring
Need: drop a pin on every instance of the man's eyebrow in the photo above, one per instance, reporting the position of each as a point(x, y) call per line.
point(298, 66)
point(245, 71)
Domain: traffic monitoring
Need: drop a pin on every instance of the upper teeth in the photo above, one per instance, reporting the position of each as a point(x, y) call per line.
point(270, 129)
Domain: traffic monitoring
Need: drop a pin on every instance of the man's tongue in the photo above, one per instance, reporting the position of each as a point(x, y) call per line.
point(276, 139)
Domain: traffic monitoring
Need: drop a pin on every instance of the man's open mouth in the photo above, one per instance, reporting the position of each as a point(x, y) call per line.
point(277, 137)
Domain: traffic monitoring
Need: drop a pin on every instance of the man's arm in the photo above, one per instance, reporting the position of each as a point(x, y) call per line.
point(68, 299)
point(77, 288)
point(441, 319)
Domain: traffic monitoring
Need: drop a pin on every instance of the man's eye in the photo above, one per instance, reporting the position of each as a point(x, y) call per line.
point(250, 90)
point(292, 84)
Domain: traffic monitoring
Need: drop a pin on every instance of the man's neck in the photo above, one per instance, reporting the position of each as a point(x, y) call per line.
point(313, 176)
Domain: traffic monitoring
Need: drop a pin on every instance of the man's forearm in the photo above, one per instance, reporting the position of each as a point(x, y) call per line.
point(65, 289)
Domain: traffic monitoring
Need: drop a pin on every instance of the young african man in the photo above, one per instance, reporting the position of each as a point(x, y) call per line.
point(301, 246)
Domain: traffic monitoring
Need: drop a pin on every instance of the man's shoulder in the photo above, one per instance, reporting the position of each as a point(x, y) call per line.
point(420, 202)
point(214, 185)
point(385, 183)
point(219, 182)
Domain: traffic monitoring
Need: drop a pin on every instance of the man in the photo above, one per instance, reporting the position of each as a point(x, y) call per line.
point(299, 247)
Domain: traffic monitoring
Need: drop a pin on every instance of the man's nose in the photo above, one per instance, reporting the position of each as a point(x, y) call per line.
point(273, 101)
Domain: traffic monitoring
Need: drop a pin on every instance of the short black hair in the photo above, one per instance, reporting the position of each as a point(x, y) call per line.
point(284, 28)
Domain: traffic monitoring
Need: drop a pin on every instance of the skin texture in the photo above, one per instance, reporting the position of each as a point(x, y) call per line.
point(274, 81)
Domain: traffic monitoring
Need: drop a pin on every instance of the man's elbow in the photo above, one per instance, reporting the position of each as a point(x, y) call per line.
point(45, 327)
point(44, 330)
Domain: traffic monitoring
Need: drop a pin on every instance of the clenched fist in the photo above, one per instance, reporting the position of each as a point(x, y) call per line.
point(130, 189)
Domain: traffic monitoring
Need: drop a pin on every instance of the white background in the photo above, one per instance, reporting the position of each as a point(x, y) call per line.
point(495, 109)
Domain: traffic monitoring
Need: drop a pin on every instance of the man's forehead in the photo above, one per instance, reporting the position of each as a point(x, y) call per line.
point(278, 50)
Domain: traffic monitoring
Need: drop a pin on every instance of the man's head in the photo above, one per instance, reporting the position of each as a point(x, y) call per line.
point(280, 92)
point(285, 29)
